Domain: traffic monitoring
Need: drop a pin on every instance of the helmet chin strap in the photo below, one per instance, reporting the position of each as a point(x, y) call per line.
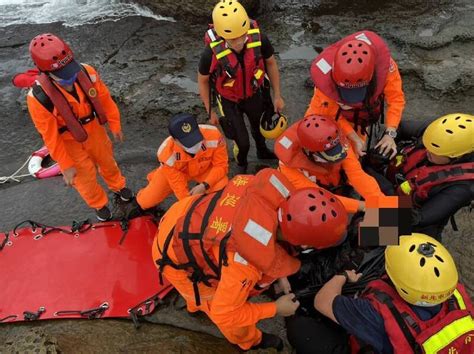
point(314, 157)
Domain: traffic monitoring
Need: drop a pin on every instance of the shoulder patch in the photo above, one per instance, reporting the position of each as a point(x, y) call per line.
point(363, 37)
point(208, 126)
point(324, 66)
point(163, 146)
point(91, 72)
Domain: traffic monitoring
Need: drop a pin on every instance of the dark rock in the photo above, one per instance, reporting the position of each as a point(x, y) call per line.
point(196, 10)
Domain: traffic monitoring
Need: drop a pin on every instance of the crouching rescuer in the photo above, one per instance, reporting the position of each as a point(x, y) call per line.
point(220, 249)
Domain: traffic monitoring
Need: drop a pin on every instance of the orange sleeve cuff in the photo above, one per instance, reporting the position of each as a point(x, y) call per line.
point(351, 205)
point(267, 310)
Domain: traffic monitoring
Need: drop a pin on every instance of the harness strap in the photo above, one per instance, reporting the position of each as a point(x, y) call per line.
point(204, 224)
point(83, 121)
point(165, 259)
point(42, 98)
point(221, 52)
point(443, 174)
point(197, 274)
point(411, 322)
point(387, 300)
point(223, 251)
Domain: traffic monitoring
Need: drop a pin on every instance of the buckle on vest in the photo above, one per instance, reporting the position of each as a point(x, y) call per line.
point(229, 71)
point(83, 121)
point(411, 322)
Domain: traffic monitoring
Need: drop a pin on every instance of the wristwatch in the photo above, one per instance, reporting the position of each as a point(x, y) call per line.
point(344, 273)
point(206, 185)
point(391, 133)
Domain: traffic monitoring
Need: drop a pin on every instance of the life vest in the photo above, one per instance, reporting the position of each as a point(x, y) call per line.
point(213, 220)
point(372, 110)
point(230, 79)
point(73, 124)
point(290, 153)
point(451, 331)
point(414, 177)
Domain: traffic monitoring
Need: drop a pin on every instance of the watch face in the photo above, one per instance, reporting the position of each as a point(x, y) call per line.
point(391, 134)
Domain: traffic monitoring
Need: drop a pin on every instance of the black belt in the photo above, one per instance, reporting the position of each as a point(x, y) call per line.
point(83, 121)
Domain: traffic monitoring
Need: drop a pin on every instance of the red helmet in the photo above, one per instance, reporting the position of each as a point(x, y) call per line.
point(353, 69)
point(313, 217)
point(320, 135)
point(50, 53)
point(354, 64)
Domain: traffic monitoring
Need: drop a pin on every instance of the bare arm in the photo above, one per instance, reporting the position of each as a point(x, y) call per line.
point(325, 297)
point(274, 76)
point(203, 84)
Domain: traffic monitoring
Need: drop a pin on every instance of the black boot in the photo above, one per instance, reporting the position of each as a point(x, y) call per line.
point(269, 341)
point(266, 154)
point(125, 194)
point(103, 214)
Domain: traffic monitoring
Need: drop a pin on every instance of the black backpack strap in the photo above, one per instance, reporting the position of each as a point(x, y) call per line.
point(165, 260)
point(197, 275)
point(42, 97)
point(387, 300)
point(205, 221)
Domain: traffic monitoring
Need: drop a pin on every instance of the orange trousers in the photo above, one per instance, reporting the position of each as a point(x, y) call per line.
point(245, 336)
point(95, 154)
point(159, 188)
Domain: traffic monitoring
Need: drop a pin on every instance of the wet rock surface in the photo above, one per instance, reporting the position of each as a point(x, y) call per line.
point(150, 67)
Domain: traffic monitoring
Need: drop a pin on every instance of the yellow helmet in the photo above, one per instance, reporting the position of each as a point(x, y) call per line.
point(272, 129)
point(230, 19)
point(451, 135)
point(421, 269)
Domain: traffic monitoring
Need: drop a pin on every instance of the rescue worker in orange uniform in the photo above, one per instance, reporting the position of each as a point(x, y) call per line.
point(354, 78)
point(193, 152)
point(69, 105)
point(419, 308)
point(234, 64)
point(222, 248)
point(314, 151)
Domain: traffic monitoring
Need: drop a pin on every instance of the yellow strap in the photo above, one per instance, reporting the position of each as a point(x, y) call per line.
point(216, 43)
point(223, 54)
point(253, 31)
point(398, 160)
point(448, 334)
point(405, 187)
point(460, 300)
point(258, 74)
point(254, 44)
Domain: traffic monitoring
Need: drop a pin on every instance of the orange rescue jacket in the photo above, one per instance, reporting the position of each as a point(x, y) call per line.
point(48, 123)
point(394, 98)
point(302, 172)
point(180, 167)
point(239, 221)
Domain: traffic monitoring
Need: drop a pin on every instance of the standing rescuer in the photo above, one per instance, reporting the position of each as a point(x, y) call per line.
point(222, 248)
point(354, 78)
point(69, 105)
point(234, 63)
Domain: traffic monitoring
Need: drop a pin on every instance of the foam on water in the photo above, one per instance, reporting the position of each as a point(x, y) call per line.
point(70, 12)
